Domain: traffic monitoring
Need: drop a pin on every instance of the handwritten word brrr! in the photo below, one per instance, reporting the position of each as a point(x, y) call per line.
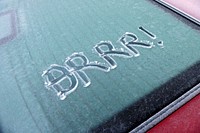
point(75, 65)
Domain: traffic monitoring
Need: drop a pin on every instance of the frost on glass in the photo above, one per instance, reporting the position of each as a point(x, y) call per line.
point(74, 66)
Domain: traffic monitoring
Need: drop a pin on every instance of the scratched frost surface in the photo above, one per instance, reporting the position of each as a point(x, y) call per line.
point(36, 34)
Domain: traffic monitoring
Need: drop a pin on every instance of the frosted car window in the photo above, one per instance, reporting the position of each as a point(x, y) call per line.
point(105, 56)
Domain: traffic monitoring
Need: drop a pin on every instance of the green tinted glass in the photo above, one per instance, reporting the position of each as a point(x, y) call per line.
point(36, 34)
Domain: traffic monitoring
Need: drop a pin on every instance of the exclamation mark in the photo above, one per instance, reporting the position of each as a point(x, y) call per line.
point(151, 35)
